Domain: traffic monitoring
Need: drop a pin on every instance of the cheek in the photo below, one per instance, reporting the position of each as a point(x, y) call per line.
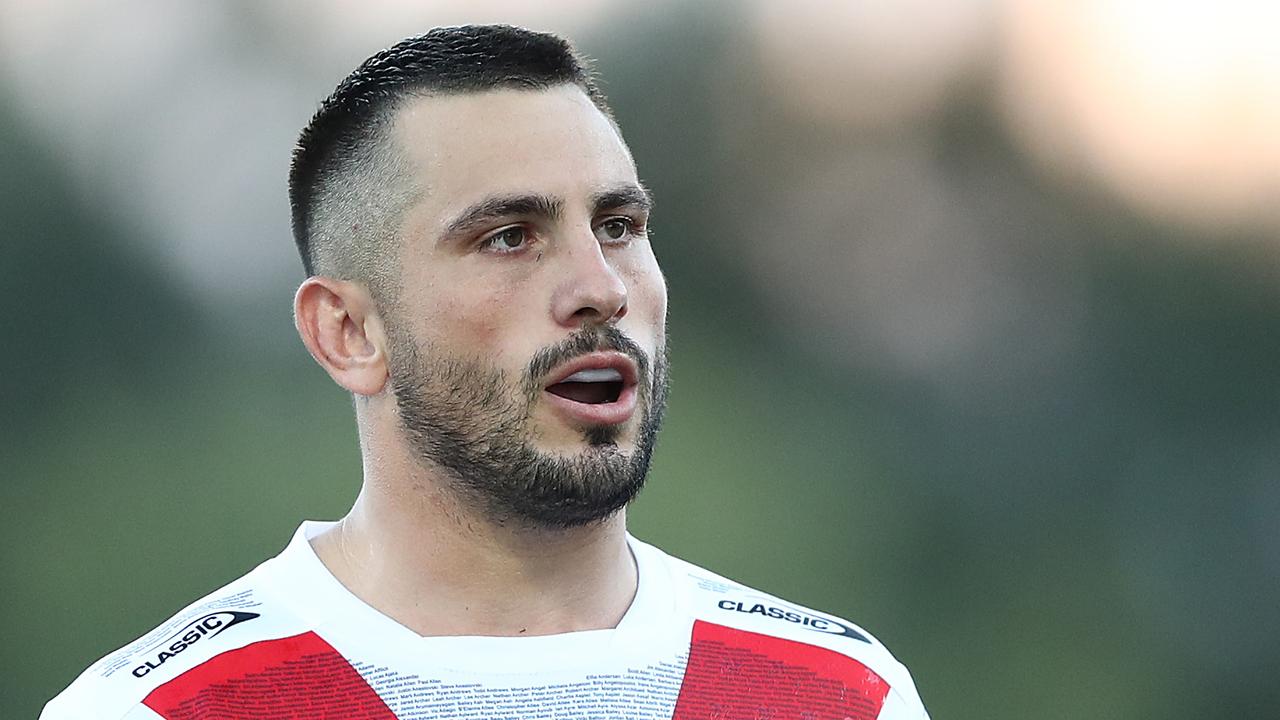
point(647, 296)
point(479, 319)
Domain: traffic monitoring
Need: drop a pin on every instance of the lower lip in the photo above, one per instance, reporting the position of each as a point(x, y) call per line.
point(614, 413)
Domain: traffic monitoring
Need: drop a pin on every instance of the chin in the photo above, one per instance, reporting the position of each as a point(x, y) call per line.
point(609, 439)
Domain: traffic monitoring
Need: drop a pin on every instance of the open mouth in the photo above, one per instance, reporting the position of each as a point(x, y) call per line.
point(591, 387)
point(595, 389)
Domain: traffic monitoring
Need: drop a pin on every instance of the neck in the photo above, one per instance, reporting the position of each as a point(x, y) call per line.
point(413, 552)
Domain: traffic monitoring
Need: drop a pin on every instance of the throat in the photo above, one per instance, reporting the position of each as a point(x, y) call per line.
point(517, 583)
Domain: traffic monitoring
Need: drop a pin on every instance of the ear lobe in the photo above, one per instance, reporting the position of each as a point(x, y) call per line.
point(338, 323)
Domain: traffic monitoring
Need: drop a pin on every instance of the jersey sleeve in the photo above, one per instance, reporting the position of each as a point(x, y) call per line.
point(75, 706)
point(904, 703)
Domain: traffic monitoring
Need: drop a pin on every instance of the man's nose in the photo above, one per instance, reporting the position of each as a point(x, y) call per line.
point(592, 291)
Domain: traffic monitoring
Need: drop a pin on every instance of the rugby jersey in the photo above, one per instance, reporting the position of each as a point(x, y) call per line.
point(288, 640)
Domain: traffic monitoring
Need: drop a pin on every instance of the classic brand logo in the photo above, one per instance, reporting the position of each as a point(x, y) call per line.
point(809, 621)
point(192, 633)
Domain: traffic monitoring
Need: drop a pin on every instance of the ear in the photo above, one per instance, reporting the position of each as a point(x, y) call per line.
point(340, 326)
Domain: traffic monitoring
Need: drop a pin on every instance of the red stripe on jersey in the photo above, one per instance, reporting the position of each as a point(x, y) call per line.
point(738, 674)
point(294, 677)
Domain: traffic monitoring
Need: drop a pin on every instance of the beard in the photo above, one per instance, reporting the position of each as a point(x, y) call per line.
point(472, 420)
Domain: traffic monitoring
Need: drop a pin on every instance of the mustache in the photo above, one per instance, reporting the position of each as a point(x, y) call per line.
point(582, 342)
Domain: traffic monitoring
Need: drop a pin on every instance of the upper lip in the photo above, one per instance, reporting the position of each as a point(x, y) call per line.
point(593, 361)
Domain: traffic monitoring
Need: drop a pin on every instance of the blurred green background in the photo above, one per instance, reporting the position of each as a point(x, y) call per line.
point(974, 332)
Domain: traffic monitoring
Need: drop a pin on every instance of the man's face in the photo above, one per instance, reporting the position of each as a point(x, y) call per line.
point(527, 343)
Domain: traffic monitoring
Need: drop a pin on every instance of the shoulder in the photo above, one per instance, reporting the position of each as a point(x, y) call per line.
point(729, 614)
point(233, 616)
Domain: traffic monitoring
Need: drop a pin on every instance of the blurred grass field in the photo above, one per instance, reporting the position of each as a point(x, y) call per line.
point(1025, 433)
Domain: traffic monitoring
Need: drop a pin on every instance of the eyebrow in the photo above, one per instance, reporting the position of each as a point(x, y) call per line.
point(532, 204)
point(636, 196)
point(501, 206)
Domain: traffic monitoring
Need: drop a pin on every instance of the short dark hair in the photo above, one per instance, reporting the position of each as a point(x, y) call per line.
point(349, 188)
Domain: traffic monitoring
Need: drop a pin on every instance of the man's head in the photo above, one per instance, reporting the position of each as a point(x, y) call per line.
point(348, 186)
point(481, 273)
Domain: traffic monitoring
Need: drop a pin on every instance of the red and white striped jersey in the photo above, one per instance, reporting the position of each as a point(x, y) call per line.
point(288, 640)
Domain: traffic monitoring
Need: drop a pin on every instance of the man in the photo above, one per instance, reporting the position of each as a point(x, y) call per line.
point(481, 281)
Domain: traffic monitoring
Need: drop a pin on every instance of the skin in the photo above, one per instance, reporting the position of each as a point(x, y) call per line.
point(498, 290)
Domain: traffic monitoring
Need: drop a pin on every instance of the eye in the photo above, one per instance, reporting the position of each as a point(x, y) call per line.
point(507, 239)
point(616, 229)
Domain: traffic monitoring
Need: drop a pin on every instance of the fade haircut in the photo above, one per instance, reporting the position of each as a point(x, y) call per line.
point(349, 185)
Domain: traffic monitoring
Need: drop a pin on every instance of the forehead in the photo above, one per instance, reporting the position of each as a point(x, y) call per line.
point(463, 148)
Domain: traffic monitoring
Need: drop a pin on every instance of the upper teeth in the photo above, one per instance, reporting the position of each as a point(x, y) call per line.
point(595, 375)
